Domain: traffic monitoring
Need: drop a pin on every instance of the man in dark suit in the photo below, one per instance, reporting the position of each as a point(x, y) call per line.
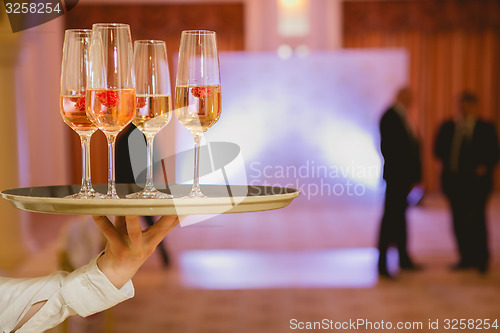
point(468, 150)
point(401, 151)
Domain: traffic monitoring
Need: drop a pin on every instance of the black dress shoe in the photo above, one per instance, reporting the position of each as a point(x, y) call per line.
point(483, 269)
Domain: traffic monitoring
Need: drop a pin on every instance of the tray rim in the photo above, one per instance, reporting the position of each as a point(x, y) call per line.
point(211, 205)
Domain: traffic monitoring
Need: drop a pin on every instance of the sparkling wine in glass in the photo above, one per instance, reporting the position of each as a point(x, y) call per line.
point(197, 90)
point(72, 100)
point(110, 86)
point(153, 103)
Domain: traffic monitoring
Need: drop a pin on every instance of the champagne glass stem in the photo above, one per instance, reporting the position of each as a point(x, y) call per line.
point(86, 178)
point(196, 190)
point(149, 191)
point(111, 138)
point(149, 172)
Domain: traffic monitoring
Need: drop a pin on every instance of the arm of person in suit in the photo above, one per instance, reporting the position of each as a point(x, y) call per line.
point(490, 151)
point(494, 150)
point(399, 149)
point(390, 135)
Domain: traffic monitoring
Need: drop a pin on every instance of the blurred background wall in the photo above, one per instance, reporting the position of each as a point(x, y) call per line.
point(12, 249)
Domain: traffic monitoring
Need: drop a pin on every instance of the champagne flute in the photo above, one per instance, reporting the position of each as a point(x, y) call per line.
point(72, 100)
point(110, 86)
point(197, 90)
point(153, 105)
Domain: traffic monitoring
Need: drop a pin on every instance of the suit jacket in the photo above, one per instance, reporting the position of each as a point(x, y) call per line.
point(123, 165)
point(481, 150)
point(400, 149)
point(124, 172)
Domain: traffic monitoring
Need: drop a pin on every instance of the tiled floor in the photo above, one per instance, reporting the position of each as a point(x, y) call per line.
point(329, 235)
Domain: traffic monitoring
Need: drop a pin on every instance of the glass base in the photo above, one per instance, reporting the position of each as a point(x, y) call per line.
point(149, 194)
point(111, 196)
point(86, 193)
point(195, 193)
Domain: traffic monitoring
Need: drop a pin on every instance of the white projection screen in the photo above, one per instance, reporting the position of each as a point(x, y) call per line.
point(307, 122)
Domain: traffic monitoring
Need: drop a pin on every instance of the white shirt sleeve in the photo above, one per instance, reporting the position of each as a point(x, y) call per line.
point(83, 292)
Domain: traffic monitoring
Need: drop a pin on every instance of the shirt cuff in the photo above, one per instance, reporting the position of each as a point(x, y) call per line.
point(88, 291)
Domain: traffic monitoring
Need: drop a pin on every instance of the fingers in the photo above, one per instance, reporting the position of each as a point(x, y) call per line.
point(121, 225)
point(131, 226)
point(134, 230)
point(160, 229)
point(107, 228)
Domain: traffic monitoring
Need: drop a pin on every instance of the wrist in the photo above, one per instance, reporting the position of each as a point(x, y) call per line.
point(117, 271)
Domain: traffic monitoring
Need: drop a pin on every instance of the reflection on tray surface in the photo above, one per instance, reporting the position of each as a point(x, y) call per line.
point(215, 191)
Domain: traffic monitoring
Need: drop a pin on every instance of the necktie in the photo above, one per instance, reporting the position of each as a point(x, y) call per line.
point(463, 133)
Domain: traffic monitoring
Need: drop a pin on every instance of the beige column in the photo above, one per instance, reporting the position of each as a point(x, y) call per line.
point(12, 249)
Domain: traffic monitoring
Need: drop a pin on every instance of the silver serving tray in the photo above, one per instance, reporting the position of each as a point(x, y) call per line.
point(221, 199)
